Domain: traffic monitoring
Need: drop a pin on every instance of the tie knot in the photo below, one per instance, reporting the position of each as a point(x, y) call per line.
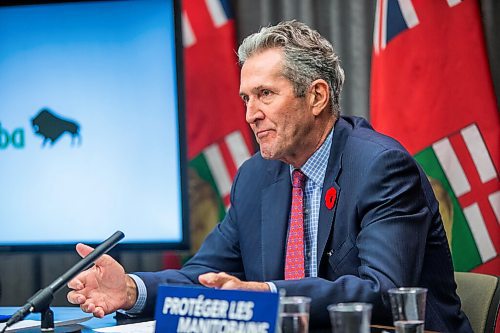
point(298, 179)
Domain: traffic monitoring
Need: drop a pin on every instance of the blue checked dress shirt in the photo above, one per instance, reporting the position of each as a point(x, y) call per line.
point(314, 169)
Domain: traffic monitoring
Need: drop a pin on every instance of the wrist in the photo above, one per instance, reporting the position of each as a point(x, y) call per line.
point(259, 286)
point(131, 294)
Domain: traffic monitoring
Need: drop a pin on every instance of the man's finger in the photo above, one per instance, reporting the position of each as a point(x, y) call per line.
point(232, 285)
point(77, 283)
point(76, 298)
point(88, 306)
point(215, 280)
point(84, 250)
point(98, 312)
point(224, 275)
point(91, 307)
point(207, 279)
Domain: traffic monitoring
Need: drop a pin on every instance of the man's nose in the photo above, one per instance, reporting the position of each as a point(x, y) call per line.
point(253, 111)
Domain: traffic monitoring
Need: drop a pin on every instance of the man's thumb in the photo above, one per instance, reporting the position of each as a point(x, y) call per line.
point(83, 250)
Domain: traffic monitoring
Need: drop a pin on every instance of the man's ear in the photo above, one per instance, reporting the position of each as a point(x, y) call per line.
point(319, 96)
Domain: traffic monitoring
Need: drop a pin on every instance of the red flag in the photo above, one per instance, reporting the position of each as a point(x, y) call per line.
point(219, 140)
point(431, 89)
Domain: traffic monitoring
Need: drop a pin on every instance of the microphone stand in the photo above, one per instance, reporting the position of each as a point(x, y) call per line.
point(40, 302)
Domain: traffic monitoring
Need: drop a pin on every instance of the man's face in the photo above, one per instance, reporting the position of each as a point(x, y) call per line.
point(280, 121)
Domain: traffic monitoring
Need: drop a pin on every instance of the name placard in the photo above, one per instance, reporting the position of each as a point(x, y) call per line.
point(197, 309)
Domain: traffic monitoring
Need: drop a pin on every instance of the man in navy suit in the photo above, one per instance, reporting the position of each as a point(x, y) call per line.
point(370, 219)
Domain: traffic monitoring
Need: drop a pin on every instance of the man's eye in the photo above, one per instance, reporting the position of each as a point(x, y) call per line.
point(266, 93)
point(244, 99)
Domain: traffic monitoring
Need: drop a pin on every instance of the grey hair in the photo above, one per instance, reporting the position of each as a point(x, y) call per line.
point(308, 56)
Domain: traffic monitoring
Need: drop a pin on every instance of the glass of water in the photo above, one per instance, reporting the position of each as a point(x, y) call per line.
point(350, 317)
point(294, 314)
point(408, 309)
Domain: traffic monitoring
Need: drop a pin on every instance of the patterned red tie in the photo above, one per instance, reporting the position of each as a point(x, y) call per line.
point(294, 261)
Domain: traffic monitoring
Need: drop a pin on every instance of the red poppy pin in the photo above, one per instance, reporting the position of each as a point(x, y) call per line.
point(330, 197)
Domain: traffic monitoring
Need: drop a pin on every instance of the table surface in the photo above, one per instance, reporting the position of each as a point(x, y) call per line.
point(68, 313)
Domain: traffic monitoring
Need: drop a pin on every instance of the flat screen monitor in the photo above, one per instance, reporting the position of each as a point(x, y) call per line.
point(91, 124)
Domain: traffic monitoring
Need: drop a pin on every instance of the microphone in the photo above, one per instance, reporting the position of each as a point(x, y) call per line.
point(41, 300)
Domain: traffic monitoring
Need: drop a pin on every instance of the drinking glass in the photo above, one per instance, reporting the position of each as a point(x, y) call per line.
point(294, 314)
point(350, 317)
point(408, 309)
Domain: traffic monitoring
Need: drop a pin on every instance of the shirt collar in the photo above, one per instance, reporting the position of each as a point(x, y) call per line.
point(315, 166)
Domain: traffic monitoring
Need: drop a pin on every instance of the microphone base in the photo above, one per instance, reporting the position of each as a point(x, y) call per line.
point(47, 324)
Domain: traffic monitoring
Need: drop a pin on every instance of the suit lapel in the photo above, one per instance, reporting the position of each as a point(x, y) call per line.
point(326, 215)
point(276, 200)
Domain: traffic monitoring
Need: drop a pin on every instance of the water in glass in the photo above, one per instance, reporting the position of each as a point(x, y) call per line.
point(409, 326)
point(294, 322)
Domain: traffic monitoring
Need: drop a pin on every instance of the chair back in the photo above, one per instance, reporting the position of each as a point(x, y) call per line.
point(480, 296)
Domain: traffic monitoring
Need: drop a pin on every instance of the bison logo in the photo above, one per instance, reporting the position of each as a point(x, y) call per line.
point(51, 127)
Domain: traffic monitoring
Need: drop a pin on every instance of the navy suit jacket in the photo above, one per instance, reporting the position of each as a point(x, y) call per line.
point(384, 231)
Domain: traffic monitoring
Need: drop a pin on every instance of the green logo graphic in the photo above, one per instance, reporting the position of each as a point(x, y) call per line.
point(14, 139)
